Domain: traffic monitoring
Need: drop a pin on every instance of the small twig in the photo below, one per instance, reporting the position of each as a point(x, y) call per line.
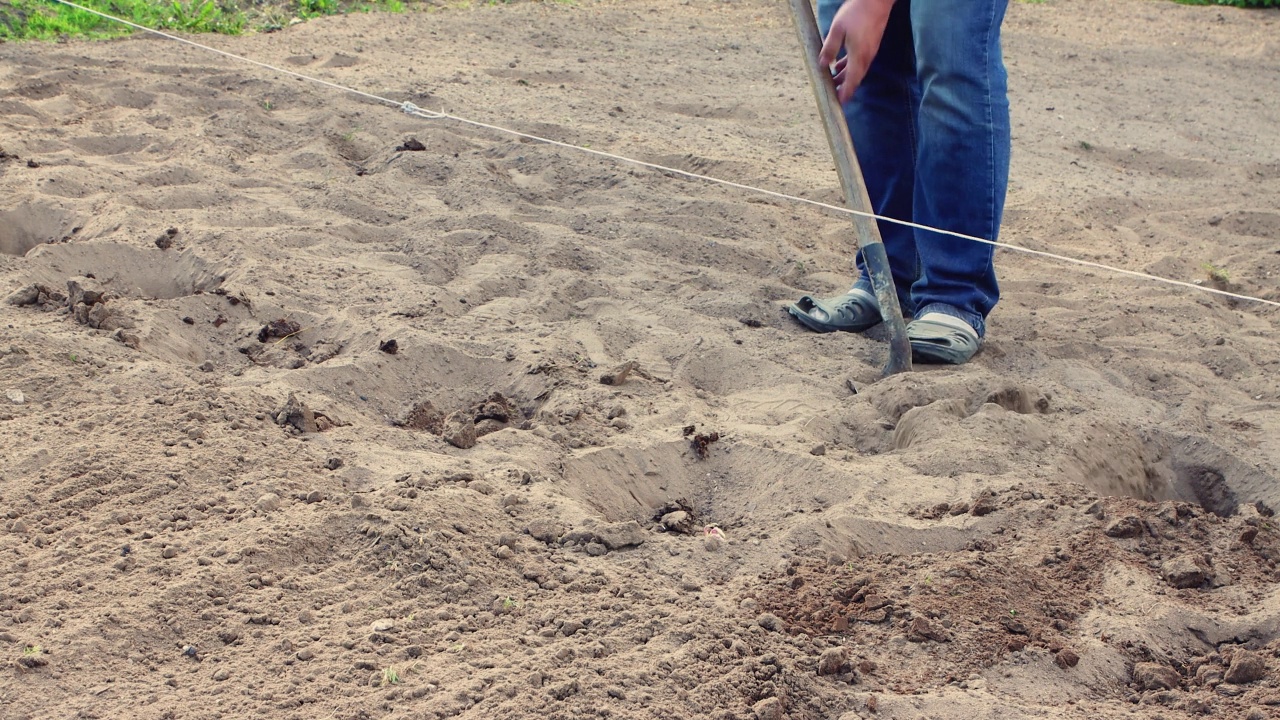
point(299, 331)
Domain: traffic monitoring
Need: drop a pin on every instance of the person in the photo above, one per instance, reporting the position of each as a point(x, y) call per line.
point(925, 92)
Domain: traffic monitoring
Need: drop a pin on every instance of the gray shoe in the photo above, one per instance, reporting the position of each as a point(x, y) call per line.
point(854, 311)
point(940, 338)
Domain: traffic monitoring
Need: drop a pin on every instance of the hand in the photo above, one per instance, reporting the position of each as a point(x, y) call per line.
point(857, 28)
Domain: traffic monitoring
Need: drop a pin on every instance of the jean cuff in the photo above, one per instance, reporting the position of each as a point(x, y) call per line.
point(976, 321)
point(904, 304)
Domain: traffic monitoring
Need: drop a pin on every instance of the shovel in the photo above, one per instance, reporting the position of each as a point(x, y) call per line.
point(855, 190)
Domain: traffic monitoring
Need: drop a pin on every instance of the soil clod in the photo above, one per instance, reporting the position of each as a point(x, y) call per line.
point(459, 430)
point(701, 443)
point(281, 328)
point(620, 535)
point(1186, 571)
point(1128, 526)
point(1154, 676)
point(294, 413)
point(425, 416)
point(833, 661)
point(619, 374)
point(1246, 667)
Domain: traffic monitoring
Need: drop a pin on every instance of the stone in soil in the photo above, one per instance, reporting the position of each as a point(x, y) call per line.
point(921, 629)
point(268, 502)
point(833, 661)
point(618, 375)
point(21, 297)
point(678, 521)
point(544, 531)
point(1067, 658)
point(985, 504)
point(621, 535)
point(295, 413)
point(1154, 676)
point(84, 290)
point(1246, 667)
point(1186, 571)
point(1125, 527)
point(459, 430)
point(769, 622)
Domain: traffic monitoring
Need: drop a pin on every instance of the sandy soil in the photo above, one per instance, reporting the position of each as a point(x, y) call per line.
point(223, 495)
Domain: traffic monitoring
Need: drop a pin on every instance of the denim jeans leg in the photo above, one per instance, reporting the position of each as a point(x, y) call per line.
point(962, 157)
point(882, 125)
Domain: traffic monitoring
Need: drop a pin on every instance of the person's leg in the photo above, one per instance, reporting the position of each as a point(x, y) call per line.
point(882, 125)
point(962, 160)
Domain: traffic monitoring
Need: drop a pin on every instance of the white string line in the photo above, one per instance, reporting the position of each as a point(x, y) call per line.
point(411, 109)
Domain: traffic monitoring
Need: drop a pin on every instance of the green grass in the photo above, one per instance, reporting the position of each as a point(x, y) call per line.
point(49, 20)
point(44, 20)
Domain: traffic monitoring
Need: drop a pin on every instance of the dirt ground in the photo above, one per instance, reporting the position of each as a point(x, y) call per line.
point(297, 421)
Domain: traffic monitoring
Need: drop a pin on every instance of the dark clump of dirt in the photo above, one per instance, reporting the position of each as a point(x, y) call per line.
point(165, 241)
point(412, 145)
point(390, 347)
point(700, 441)
point(496, 407)
point(425, 416)
point(281, 328)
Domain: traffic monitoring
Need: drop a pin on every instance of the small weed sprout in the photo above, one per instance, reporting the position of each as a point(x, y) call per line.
point(1217, 273)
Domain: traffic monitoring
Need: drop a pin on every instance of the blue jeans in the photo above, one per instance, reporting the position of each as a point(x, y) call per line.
point(930, 124)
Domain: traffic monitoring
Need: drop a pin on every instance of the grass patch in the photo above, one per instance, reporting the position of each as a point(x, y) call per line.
point(48, 20)
point(43, 20)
